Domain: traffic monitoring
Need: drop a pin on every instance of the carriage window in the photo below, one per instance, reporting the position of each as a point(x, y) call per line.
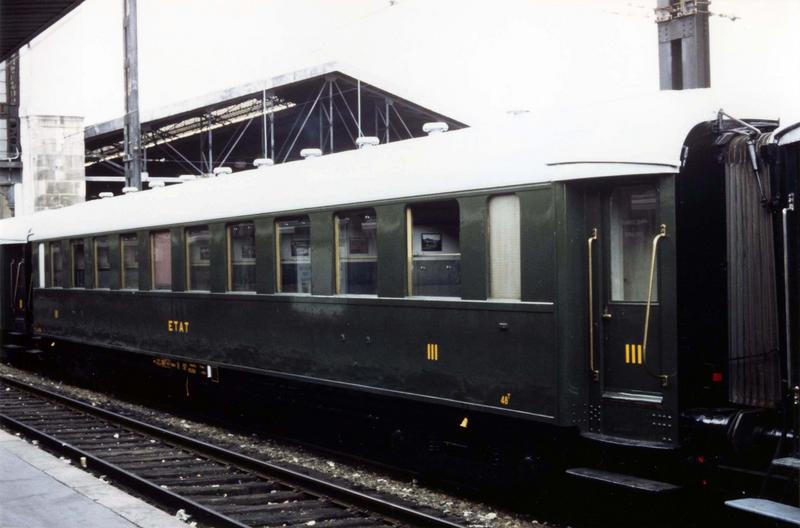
point(78, 265)
point(198, 258)
point(433, 249)
point(633, 226)
point(504, 247)
point(102, 263)
point(293, 242)
point(357, 252)
point(161, 260)
point(242, 257)
point(56, 265)
point(129, 245)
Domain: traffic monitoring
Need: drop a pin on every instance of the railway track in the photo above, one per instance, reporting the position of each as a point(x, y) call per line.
point(216, 486)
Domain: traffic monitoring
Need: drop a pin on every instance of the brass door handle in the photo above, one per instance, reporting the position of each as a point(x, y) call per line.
point(590, 242)
point(662, 233)
point(606, 314)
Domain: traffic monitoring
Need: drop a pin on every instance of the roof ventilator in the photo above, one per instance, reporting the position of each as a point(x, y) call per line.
point(309, 153)
point(367, 141)
point(222, 171)
point(263, 162)
point(183, 178)
point(435, 127)
point(127, 190)
point(104, 195)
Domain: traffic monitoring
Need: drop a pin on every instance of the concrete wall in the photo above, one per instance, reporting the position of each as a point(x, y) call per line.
point(53, 172)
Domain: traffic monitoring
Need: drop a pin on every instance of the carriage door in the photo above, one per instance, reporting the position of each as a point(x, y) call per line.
point(629, 353)
point(631, 367)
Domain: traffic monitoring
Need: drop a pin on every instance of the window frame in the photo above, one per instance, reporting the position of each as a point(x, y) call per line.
point(410, 248)
point(72, 244)
point(278, 260)
point(489, 240)
point(153, 234)
point(96, 262)
point(122, 271)
point(188, 259)
point(337, 249)
point(50, 247)
point(229, 258)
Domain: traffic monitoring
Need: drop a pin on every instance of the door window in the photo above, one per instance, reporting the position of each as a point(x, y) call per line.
point(633, 226)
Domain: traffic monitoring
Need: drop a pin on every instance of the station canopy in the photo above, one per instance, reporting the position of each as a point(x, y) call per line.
point(327, 107)
point(22, 20)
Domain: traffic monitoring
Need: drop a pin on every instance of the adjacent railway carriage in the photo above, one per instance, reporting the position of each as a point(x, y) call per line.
point(626, 287)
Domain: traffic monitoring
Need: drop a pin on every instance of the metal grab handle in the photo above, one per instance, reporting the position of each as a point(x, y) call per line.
point(11, 279)
point(662, 234)
point(589, 243)
point(16, 282)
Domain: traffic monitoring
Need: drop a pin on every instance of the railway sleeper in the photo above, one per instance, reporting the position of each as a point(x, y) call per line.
point(146, 455)
point(256, 498)
point(188, 472)
point(198, 491)
point(162, 462)
point(268, 507)
point(281, 517)
point(88, 435)
point(348, 522)
point(101, 443)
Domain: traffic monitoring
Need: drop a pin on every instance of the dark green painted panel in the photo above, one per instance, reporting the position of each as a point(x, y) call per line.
point(392, 258)
point(219, 257)
point(571, 311)
point(35, 264)
point(484, 352)
point(322, 272)
point(472, 242)
point(178, 259)
point(668, 302)
point(265, 255)
point(114, 257)
point(537, 223)
point(144, 260)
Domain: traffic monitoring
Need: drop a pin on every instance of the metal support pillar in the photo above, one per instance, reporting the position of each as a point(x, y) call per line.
point(330, 114)
point(386, 120)
point(133, 133)
point(264, 121)
point(272, 135)
point(210, 136)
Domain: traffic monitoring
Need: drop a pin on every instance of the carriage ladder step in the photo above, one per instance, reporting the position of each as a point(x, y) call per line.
point(767, 508)
point(623, 480)
point(790, 462)
point(34, 351)
point(11, 346)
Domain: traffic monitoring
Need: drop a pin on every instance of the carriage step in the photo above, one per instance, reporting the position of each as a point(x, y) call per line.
point(767, 508)
point(623, 480)
point(790, 462)
point(34, 351)
point(16, 334)
point(11, 346)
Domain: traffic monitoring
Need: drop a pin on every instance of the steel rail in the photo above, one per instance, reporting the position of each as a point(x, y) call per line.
point(335, 492)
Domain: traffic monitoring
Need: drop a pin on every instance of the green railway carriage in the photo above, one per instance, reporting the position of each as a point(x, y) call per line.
point(579, 285)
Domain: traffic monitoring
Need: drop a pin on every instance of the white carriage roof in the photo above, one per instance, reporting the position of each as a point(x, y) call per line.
point(627, 137)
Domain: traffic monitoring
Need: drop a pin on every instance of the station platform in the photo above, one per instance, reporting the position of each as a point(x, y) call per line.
point(38, 490)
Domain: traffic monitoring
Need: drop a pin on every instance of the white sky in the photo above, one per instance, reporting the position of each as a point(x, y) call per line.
point(471, 59)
